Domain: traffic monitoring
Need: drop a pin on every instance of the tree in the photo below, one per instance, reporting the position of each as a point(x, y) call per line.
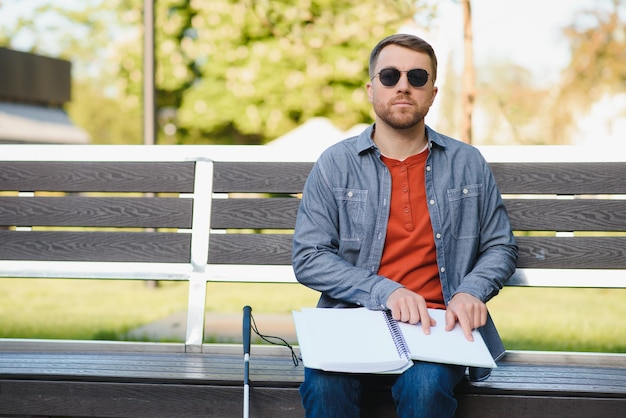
point(236, 71)
point(597, 67)
point(468, 90)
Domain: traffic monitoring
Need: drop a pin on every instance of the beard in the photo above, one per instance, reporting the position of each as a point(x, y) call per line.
point(403, 118)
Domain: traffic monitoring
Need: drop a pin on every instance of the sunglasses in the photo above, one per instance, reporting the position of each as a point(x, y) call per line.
point(390, 76)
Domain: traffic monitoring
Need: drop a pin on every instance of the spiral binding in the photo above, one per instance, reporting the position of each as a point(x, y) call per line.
point(397, 336)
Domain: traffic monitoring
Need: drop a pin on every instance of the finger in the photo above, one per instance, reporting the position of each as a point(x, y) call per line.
point(400, 311)
point(425, 317)
point(450, 319)
point(406, 311)
point(464, 322)
point(395, 311)
point(483, 317)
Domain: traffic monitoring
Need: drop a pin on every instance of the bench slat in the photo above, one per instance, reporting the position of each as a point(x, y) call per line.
point(260, 177)
point(535, 252)
point(567, 215)
point(271, 249)
point(96, 212)
point(572, 252)
point(98, 176)
point(560, 178)
point(525, 214)
point(149, 247)
point(274, 213)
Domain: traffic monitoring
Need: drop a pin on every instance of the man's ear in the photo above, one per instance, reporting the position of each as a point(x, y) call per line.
point(432, 99)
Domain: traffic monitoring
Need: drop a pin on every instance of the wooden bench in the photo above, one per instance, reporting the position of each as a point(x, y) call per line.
point(212, 213)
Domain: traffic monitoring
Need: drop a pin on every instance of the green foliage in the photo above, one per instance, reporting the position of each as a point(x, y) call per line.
point(253, 70)
point(598, 44)
point(228, 71)
point(597, 67)
point(108, 120)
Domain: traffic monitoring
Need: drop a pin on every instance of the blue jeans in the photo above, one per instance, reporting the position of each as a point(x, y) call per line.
point(424, 390)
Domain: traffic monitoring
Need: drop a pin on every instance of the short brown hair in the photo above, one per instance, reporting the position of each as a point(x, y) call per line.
point(407, 41)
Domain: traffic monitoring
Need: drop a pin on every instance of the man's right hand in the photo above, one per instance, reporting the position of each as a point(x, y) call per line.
point(408, 306)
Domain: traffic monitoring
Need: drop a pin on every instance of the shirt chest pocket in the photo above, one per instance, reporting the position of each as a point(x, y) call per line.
point(465, 210)
point(351, 204)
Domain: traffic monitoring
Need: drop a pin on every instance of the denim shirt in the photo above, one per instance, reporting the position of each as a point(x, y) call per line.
point(342, 223)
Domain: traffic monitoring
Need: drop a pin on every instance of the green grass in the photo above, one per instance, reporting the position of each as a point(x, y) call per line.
point(527, 318)
point(561, 319)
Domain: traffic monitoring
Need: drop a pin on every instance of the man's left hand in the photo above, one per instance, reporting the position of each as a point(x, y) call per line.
point(469, 311)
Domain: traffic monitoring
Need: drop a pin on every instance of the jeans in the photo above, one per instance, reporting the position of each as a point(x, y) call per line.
point(424, 390)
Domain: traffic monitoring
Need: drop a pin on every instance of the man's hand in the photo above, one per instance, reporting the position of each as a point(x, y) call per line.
point(469, 311)
point(407, 306)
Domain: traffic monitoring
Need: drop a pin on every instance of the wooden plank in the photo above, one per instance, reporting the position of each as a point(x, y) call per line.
point(131, 384)
point(255, 213)
point(272, 249)
point(535, 252)
point(560, 178)
point(149, 247)
point(140, 400)
point(567, 215)
point(572, 252)
point(96, 212)
point(192, 401)
point(98, 176)
point(524, 406)
point(260, 177)
point(279, 371)
point(512, 178)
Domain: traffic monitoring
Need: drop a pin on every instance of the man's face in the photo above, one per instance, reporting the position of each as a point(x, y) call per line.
point(401, 106)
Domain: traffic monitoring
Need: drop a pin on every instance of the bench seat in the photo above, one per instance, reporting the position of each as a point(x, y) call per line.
point(166, 382)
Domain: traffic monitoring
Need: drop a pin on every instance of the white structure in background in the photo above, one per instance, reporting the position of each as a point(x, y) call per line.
point(313, 137)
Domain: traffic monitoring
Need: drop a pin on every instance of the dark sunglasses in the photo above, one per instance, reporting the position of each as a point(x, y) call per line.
point(390, 76)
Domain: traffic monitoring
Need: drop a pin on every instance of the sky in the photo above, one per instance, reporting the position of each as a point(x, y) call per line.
point(525, 32)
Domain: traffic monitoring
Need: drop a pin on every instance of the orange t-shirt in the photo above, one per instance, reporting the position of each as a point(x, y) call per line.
point(409, 256)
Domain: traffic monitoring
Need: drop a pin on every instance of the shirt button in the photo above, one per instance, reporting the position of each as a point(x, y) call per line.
point(427, 168)
point(438, 236)
point(350, 194)
point(406, 210)
point(443, 269)
point(465, 191)
point(432, 202)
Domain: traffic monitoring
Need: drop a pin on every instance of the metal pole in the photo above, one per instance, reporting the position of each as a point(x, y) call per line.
point(246, 360)
point(149, 104)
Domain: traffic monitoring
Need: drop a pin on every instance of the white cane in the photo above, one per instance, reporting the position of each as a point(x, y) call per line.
point(246, 361)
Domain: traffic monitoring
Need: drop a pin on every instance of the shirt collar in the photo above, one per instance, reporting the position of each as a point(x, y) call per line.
point(365, 142)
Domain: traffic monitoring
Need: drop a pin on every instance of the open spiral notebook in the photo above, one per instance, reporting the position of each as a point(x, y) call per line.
point(359, 340)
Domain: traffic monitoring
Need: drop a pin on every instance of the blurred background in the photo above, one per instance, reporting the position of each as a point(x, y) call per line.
point(251, 71)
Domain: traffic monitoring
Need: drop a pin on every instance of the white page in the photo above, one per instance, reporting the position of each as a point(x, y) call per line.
point(353, 340)
point(443, 346)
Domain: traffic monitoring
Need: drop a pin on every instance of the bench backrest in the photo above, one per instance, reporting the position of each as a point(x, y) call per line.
point(215, 213)
point(566, 215)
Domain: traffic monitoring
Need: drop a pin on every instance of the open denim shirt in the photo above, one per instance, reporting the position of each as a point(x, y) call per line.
point(342, 223)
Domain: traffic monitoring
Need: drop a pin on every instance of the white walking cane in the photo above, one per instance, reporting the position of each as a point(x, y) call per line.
point(246, 360)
